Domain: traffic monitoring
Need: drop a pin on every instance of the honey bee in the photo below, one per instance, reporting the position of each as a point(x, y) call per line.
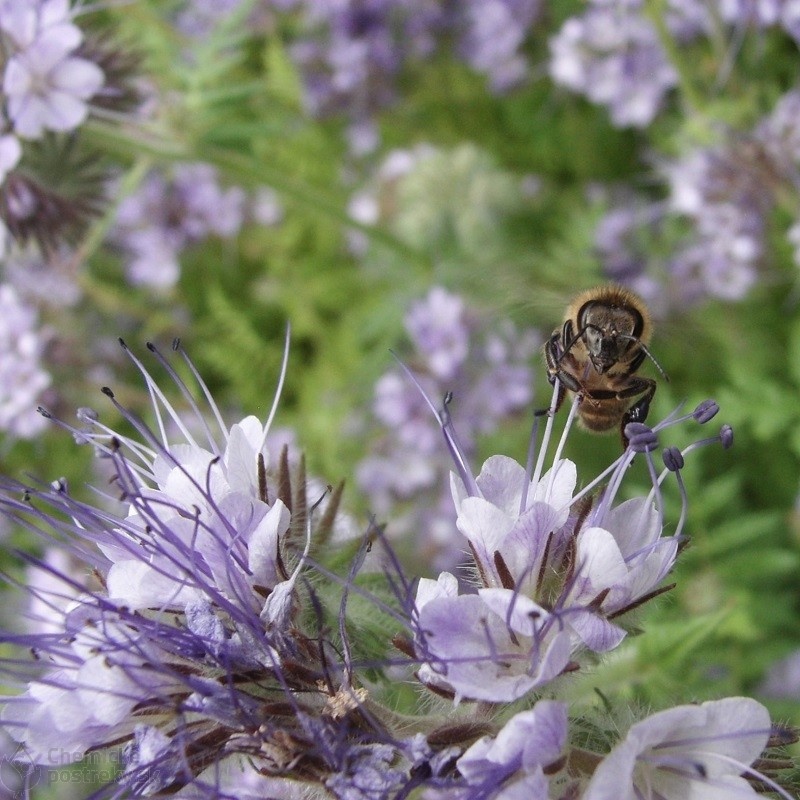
point(596, 353)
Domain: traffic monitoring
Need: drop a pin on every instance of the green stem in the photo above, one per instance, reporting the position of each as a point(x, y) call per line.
point(127, 186)
point(249, 172)
point(656, 11)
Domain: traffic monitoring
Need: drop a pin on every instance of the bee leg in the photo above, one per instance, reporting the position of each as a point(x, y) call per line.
point(545, 412)
point(552, 355)
point(639, 410)
point(553, 352)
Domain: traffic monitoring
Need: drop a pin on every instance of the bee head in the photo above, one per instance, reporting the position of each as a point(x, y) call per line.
point(606, 346)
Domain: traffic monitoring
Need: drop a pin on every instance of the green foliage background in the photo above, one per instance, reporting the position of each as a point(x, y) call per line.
point(237, 104)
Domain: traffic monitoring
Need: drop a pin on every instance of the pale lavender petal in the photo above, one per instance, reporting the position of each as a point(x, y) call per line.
point(79, 77)
point(594, 630)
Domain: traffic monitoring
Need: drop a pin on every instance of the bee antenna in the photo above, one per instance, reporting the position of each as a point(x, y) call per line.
point(648, 354)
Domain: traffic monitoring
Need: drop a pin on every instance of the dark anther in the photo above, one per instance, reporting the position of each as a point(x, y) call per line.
point(506, 579)
point(44, 412)
point(176, 343)
point(673, 459)
point(122, 343)
point(150, 346)
point(106, 391)
point(641, 438)
point(726, 436)
point(706, 411)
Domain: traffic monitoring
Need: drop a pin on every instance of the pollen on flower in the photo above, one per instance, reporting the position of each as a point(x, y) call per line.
point(345, 700)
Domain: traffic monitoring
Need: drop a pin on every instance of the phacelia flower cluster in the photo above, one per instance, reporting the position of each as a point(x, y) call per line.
point(351, 55)
point(215, 649)
point(727, 193)
point(614, 52)
point(611, 53)
point(172, 210)
point(185, 649)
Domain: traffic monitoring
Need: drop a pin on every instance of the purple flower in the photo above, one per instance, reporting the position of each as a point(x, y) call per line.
point(629, 563)
point(352, 54)
point(189, 654)
point(687, 751)
point(438, 328)
point(23, 22)
point(22, 378)
point(495, 31)
point(494, 646)
point(168, 214)
point(557, 570)
point(612, 55)
point(46, 87)
point(727, 193)
point(512, 764)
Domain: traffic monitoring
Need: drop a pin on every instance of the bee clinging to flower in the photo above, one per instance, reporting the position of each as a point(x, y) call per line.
point(596, 354)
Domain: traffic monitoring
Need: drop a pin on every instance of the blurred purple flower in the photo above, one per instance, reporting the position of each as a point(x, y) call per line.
point(46, 86)
point(167, 214)
point(727, 193)
point(24, 22)
point(198, 18)
point(351, 53)
point(490, 376)
point(494, 32)
point(611, 54)
point(22, 378)
point(10, 153)
point(782, 680)
point(437, 327)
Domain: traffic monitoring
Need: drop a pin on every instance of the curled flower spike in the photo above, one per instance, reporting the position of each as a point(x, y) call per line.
point(544, 553)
